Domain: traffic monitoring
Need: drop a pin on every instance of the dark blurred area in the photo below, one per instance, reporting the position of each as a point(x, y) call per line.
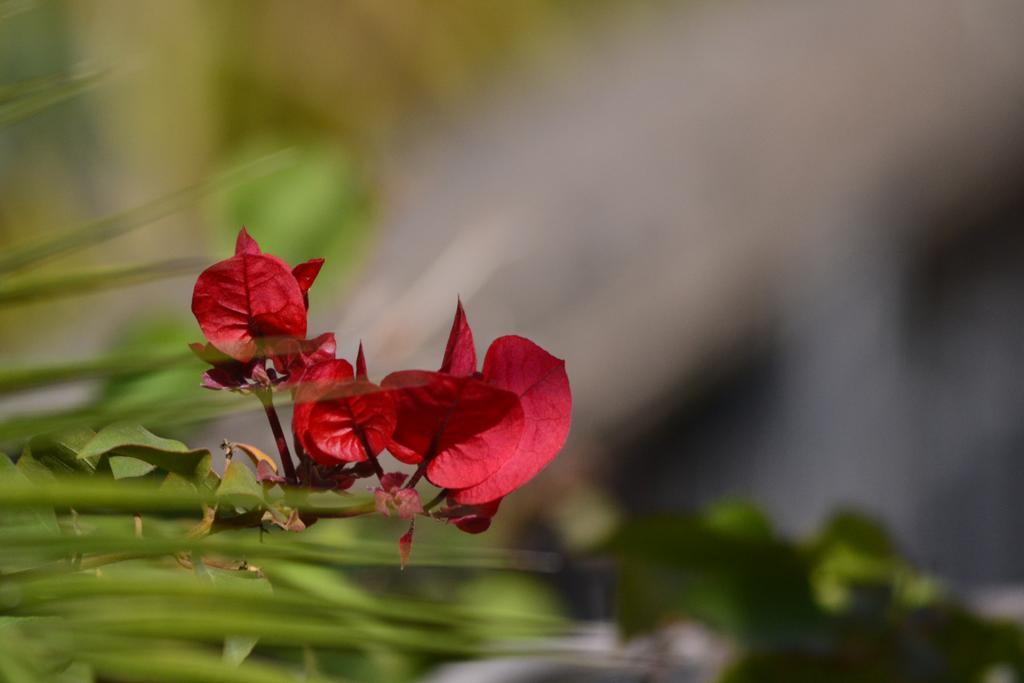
point(778, 243)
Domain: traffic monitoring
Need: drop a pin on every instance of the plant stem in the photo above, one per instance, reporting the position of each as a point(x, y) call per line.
point(428, 456)
point(267, 399)
point(373, 458)
point(442, 494)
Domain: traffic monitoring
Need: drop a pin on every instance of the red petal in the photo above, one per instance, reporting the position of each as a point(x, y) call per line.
point(361, 363)
point(407, 503)
point(315, 382)
point(305, 273)
point(337, 426)
point(244, 244)
point(539, 380)
point(245, 298)
point(405, 545)
point(392, 481)
point(459, 354)
point(381, 498)
point(468, 426)
point(473, 519)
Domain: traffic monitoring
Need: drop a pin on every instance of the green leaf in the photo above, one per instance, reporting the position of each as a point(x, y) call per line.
point(134, 441)
point(59, 451)
point(35, 519)
point(236, 648)
point(754, 588)
point(738, 518)
point(125, 362)
point(126, 467)
point(33, 470)
point(239, 488)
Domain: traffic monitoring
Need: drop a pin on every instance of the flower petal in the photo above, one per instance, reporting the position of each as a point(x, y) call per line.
point(244, 244)
point(467, 427)
point(518, 365)
point(459, 354)
point(341, 428)
point(361, 363)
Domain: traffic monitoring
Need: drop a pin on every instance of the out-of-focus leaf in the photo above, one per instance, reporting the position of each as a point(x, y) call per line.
point(33, 470)
point(236, 648)
point(515, 597)
point(855, 531)
point(753, 588)
point(856, 567)
point(126, 362)
point(192, 665)
point(51, 245)
point(19, 101)
point(166, 413)
point(739, 518)
point(48, 287)
point(320, 206)
point(37, 519)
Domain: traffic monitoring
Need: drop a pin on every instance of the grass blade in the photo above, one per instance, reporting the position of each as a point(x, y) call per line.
point(65, 242)
point(18, 101)
point(36, 288)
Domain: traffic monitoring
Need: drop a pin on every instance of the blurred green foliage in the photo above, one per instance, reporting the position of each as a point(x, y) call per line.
point(840, 606)
point(127, 558)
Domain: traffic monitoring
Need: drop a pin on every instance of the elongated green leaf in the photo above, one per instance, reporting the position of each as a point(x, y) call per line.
point(126, 363)
point(165, 665)
point(44, 288)
point(39, 519)
point(49, 246)
point(19, 101)
point(237, 648)
point(165, 413)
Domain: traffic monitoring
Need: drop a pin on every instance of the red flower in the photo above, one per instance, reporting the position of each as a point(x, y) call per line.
point(482, 435)
point(391, 497)
point(339, 417)
point(251, 297)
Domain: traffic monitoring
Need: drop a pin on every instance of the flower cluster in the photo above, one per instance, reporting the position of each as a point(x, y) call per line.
point(477, 434)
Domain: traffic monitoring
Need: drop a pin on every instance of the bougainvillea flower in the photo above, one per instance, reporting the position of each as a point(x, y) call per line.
point(339, 417)
point(251, 297)
point(484, 434)
point(390, 497)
